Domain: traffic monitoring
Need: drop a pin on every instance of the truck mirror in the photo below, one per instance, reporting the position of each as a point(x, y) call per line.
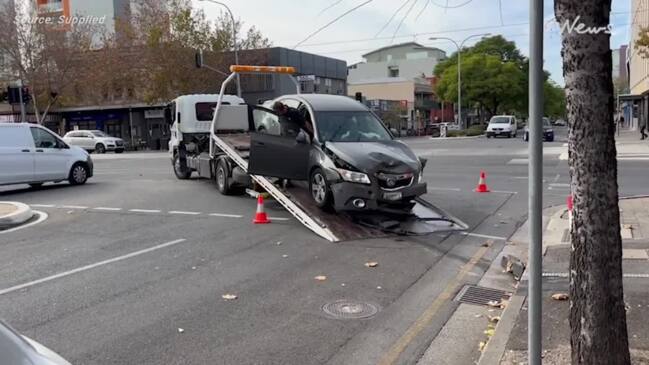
point(199, 59)
point(167, 116)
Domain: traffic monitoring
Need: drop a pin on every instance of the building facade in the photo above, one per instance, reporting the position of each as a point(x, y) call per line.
point(403, 73)
point(636, 103)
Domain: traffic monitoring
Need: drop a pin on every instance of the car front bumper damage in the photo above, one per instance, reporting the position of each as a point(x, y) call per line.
point(374, 198)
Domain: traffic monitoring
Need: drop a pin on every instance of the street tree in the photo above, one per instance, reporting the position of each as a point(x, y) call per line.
point(597, 310)
point(43, 57)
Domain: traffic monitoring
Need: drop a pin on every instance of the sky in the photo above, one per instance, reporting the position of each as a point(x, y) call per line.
point(288, 22)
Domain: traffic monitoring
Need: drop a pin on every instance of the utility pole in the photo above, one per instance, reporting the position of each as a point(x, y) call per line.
point(23, 116)
point(234, 36)
point(535, 172)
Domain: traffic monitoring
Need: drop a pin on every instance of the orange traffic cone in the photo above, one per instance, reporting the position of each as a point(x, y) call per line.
point(260, 216)
point(482, 184)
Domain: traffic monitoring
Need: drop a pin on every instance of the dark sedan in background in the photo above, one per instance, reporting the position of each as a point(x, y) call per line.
point(548, 132)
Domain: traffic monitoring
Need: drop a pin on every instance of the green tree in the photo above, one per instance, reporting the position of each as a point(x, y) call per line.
point(554, 100)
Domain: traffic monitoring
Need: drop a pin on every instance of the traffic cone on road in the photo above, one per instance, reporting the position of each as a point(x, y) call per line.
point(482, 184)
point(260, 216)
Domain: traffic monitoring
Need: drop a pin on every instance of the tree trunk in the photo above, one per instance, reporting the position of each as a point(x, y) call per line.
point(597, 310)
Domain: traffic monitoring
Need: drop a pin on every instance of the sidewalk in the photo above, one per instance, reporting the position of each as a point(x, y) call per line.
point(556, 331)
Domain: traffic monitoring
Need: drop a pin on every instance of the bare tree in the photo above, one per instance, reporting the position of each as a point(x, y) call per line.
point(43, 57)
point(597, 311)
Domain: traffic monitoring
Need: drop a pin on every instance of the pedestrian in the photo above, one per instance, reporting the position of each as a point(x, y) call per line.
point(643, 128)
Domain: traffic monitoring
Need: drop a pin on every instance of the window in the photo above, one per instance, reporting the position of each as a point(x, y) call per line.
point(205, 111)
point(394, 72)
point(44, 139)
point(266, 122)
point(388, 58)
point(416, 55)
point(350, 127)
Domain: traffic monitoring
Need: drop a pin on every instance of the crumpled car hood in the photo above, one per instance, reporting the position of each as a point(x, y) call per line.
point(371, 157)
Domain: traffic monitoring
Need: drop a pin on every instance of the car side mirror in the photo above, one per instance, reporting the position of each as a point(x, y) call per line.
point(301, 138)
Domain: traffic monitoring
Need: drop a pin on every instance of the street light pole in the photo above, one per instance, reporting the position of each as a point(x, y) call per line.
point(459, 69)
point(234, 36)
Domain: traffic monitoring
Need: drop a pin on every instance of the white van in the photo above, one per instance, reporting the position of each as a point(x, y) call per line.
point(32, 154)
point(502, 125)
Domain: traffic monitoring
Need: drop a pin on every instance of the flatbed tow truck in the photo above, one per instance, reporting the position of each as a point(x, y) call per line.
point(218, 149)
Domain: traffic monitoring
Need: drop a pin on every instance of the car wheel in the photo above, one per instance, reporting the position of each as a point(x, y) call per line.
point(509, 135)
point(99, 148)
point(78, 174)
point(320, 190)
point(551, 139)
point(180, 171)
point(488, 136)
point(119, 151)
point(222, 178)
point(36, 185)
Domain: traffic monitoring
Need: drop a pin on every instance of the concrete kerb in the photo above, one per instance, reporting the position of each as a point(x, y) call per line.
point(17, 213)
point(465, 137)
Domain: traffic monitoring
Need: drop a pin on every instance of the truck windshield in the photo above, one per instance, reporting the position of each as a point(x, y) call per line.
point(350, 127)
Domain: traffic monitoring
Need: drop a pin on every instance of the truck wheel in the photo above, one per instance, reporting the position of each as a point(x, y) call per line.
point(222, 178)
point(180, 171)
point(319, 188)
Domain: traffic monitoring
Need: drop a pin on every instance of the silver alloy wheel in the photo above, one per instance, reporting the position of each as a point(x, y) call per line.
point(318, 188)
point(220, 177)
point(177, 166)
point(79, 174)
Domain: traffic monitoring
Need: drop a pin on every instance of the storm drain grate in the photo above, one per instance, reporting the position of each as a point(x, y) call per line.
point(479, 295)
point(349, 309)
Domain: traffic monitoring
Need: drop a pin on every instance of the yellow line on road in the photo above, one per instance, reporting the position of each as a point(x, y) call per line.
point(427, 316)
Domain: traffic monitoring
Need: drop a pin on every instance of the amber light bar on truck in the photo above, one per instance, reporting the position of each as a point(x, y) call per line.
point(262, 69)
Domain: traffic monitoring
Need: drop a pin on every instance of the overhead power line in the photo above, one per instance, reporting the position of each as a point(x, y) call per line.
point(330, 6)
point(331, 22)
point(422, 10)
point(451, 6)
point(402, 19)
point(392, 17)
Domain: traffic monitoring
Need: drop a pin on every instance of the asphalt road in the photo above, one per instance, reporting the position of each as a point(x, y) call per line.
point(125, 262)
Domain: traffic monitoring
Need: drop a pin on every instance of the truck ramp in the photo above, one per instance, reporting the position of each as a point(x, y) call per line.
point(424, 218)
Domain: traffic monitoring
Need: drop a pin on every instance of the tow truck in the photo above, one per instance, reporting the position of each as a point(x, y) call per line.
point(212, 135)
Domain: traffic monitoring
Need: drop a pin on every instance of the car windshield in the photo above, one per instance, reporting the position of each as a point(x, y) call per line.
point(350, 127)
point(499, 120)
point(99, 134)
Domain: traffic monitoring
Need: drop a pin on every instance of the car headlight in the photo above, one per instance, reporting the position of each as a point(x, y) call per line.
point(353, 176)
point(550, 131)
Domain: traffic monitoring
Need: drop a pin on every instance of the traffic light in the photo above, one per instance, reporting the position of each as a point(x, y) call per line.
point(27, 97)
point(12, 95)
point(359, 97)
point(4, 96)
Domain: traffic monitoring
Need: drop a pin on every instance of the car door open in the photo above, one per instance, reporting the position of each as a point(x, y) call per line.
point(275, 150)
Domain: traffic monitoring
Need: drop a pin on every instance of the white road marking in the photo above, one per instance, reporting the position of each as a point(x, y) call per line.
point(565, 145)
point(41, 217)
point(183, 213)
point(88, 267)
point(279, 218)
point(563, 156)
point(483, 236)
point(520, 177)
point(108, 209)
point(518, 161)
point(226, 215)
point(445, 189)
point(73, 207)
point(43, 205)
point(504, 192)
point(556, 178)
point(560, 185)
point(144, 210)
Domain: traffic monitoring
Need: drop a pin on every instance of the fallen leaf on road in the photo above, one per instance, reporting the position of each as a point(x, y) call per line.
point(560, 296)
point(481, 346)
point(372, 264)
point(494, 319)
point(321, 278)
point(490, 332)
point(180, 330)
point(229, 296)
point(379, 288)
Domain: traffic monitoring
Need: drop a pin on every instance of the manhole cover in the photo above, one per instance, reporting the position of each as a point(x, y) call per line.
point(479, 295)
point(349, 309)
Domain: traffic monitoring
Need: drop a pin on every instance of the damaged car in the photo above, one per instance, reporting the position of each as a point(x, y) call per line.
point(344, 152)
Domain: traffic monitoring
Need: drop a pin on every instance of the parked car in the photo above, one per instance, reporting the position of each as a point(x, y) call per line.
point(548, 132)
point(16, 349)
point(560, 123)
point(94, 141)
point(32, 154)
point(502, 125)
point(352, 162)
